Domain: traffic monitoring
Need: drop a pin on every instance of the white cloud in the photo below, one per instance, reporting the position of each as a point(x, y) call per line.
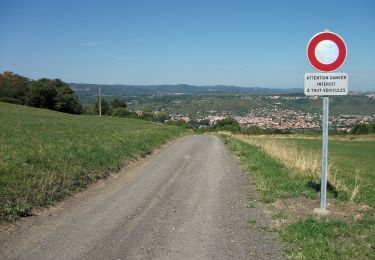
point(89, 44)
point(124, 58)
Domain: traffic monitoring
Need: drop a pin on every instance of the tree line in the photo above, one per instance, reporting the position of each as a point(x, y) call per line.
point(46, 93)
point(363, 129)
point(118, 108)
point(57, 95)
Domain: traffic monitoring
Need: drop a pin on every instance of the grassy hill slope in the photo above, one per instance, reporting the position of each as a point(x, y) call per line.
point(46, 155)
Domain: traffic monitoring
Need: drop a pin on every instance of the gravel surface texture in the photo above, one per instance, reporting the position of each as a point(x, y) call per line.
point(188, 200)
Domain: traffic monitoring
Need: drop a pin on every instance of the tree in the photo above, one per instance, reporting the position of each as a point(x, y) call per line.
point(105, 106)
point(179, 123)
point(118, 103)
point(160, 116)
point(53, 94)
point(41, 94)
point(13, 88)
point(67, 101)
point(371, 128)
point(360, 129)
point(147, 114)
point(228, 124)
point(253, 130)
point(123, 112)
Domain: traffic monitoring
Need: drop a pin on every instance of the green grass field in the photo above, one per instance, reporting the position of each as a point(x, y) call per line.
point(309, 237)
point(351, 158)
point(46, 156)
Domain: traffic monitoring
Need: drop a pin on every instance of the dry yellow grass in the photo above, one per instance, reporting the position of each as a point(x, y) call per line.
point(303, 162)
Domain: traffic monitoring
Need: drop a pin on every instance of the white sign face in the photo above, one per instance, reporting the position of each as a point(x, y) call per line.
point(326, 84)
point(326, 52)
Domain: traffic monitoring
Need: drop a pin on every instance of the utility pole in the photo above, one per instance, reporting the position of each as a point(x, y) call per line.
point(100, 103)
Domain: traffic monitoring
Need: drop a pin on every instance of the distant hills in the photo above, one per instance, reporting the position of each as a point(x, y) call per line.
point(200, 100)
point(87, 92)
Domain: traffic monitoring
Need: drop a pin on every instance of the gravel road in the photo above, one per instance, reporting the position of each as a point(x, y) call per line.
point(186, 201)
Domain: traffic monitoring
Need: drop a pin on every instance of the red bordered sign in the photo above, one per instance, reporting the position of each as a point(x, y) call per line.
point(311, 53)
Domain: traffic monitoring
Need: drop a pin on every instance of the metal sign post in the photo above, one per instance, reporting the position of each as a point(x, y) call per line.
point(323, 184)
point(100, 103)
point(326, 52)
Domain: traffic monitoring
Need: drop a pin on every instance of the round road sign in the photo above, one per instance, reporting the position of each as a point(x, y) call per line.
point(326, 51)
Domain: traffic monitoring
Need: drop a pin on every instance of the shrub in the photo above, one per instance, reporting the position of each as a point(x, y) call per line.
point(362, 129)
point(123, 112)
point(228, 124)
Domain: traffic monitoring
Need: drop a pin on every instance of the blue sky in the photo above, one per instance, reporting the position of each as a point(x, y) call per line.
point(202, 42)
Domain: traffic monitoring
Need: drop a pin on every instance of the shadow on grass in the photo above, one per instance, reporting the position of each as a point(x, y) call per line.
point(316, 186)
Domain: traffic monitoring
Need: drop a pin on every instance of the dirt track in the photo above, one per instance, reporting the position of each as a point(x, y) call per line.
point(186, 201)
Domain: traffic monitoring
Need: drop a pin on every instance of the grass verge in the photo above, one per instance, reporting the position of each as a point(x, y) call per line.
point(311, 238)
point(272, 179)
point(307, 236)
point(46, 156)
point(350, 165)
